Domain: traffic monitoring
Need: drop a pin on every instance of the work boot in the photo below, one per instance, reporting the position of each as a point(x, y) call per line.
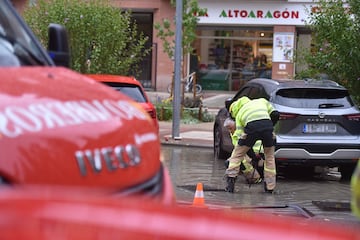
point(230, 184)
point(267, 188)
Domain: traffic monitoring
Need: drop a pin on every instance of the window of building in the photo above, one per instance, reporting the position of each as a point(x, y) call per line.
point(239, 54)
point(144, 22)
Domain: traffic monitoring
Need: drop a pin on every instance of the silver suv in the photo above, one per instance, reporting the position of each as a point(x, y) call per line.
point(319, 123)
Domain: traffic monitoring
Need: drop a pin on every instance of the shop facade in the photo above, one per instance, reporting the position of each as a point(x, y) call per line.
point(241, 40)
point(237, 40)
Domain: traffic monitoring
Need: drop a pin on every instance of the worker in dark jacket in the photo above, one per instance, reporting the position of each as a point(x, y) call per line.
point(255, 120)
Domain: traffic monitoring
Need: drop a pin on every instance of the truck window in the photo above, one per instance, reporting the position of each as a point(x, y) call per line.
point(18, 46)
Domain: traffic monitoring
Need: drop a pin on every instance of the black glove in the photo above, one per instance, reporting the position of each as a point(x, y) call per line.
point(255, 161)
point(274, 115)
point(251, 153)
point(254, 157)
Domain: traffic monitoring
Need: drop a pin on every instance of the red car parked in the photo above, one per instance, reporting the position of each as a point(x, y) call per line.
point(130, 87)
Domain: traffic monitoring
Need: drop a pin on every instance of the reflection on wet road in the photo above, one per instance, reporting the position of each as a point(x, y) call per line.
point(296, 194)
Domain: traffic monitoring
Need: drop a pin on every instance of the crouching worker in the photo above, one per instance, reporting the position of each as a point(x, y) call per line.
point(246, 166)
point(254, 120)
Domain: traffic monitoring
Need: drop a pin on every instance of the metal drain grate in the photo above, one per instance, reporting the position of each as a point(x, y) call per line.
point(332, 206)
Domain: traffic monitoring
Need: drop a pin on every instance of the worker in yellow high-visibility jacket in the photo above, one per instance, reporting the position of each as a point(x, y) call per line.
point(355, 191)
point(254, 120)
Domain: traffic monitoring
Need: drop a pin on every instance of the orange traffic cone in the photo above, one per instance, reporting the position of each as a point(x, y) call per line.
point(199, 200)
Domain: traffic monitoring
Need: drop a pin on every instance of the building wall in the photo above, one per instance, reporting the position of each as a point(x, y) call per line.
point(19, 4)
point(164, 66)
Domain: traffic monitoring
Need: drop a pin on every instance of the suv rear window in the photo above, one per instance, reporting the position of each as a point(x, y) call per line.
point(130, 90)
point(313, 98)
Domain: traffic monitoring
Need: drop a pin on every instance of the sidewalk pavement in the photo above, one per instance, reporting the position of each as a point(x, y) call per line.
point(196, 134)
point(191, 135)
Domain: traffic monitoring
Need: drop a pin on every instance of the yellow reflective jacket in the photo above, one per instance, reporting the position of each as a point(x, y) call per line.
point(355, 191)
point(245, 110)
point(258, 147)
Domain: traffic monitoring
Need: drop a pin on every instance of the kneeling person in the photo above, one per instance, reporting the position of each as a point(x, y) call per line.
point(250, 173)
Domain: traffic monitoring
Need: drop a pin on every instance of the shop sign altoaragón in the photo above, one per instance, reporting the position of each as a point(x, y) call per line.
point(258, 14)
point(248, 13)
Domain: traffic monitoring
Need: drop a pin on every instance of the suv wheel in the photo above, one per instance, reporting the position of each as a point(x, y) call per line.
point(219, 153)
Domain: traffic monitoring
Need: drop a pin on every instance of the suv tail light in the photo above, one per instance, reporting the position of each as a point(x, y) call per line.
point(287, 116)
point(353, 117)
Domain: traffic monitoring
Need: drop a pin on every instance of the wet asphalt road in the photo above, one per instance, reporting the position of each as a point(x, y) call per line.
point(309, 196)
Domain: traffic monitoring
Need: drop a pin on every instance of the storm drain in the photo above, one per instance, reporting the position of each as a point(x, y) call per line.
point(332, 206)
point(206, 188)
point(302, 211)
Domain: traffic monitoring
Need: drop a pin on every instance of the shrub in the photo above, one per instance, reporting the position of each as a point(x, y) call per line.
point(335, 43)
point(102, 38)
point(188, 115)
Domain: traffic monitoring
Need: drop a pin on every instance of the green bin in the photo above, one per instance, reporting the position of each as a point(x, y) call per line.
point(216, 79)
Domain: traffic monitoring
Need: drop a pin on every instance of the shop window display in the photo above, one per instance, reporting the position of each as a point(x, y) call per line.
point(230, 62)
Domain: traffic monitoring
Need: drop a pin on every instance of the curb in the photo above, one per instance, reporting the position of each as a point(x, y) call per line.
point(186, 143)
point(191, 135)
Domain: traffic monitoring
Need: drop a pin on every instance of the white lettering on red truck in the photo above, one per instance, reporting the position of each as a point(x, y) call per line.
point(17, 120)
point(148, 137)
point(118, 157)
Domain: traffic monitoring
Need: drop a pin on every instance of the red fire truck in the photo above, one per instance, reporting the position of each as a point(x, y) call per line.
point(59, 127)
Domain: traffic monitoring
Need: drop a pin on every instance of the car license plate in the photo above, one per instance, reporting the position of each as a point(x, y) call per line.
point(319, 128)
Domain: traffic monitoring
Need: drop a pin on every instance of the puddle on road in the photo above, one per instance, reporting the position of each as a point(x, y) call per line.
point(189, 166)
